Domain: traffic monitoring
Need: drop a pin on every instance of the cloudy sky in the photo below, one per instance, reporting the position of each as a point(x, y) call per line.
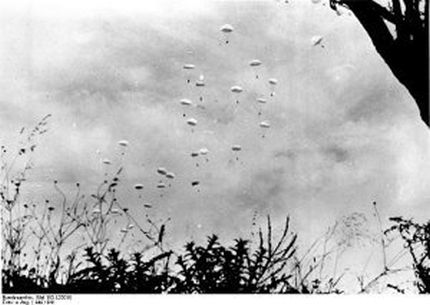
point(343, 132)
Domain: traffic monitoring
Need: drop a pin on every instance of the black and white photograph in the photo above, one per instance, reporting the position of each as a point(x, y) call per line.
point(176, 147)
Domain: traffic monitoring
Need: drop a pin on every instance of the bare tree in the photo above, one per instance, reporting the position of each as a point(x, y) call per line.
point(406, 51)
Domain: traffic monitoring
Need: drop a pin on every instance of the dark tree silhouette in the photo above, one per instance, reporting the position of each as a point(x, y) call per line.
point(406, 51)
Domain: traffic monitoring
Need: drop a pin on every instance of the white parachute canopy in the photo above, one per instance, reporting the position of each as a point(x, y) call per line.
point(200, 83)
point(236, 89)
point(161, 171)
point(123, 143)
point(170, 175)
point(316, 40)
point(204, 151)
point(261, 100)
point(189, 66)
point(161, 185)
point(138, 186)
point(226, 29)
point(186, 102)
point(255, 63)
point(236, 147)
point(107, 161)
point(273, 81)
point(264, 124)
point(192, 122)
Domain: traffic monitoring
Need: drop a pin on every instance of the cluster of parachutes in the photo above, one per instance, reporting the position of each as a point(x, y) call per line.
point(166, 177)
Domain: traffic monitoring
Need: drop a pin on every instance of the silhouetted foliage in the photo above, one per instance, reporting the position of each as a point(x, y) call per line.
point(213, 268)
point(238, 269)
point(416, 239)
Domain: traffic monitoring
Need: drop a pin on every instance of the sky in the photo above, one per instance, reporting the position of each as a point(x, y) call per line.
point(343, 131)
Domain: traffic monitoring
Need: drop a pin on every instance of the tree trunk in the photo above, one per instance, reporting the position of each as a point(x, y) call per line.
point(407, 54)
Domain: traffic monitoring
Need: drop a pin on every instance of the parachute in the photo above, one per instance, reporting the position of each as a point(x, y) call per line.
point(204, 151)
point(264, 124)
point(236, 90)
point(161, 185)
point(261, 100)
point(170, 175)
point(123, 143)
point(226, 29)
point(254, 64)
point(186, 102)
point(316, 40)
point(138, 186)
point(200, 83)
point(107, 161)
point(273, 82)
point(161, 171)
point(192, 122)
point(188, 68)
point(236, 147)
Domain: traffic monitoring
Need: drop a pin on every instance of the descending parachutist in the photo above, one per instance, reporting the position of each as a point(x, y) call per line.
point(192, 122)
point(226, 29)
point(273, 82)
point(236, 90)
point(200, 83)
point(254, 64)
point(264, 125)
point(189, 67)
